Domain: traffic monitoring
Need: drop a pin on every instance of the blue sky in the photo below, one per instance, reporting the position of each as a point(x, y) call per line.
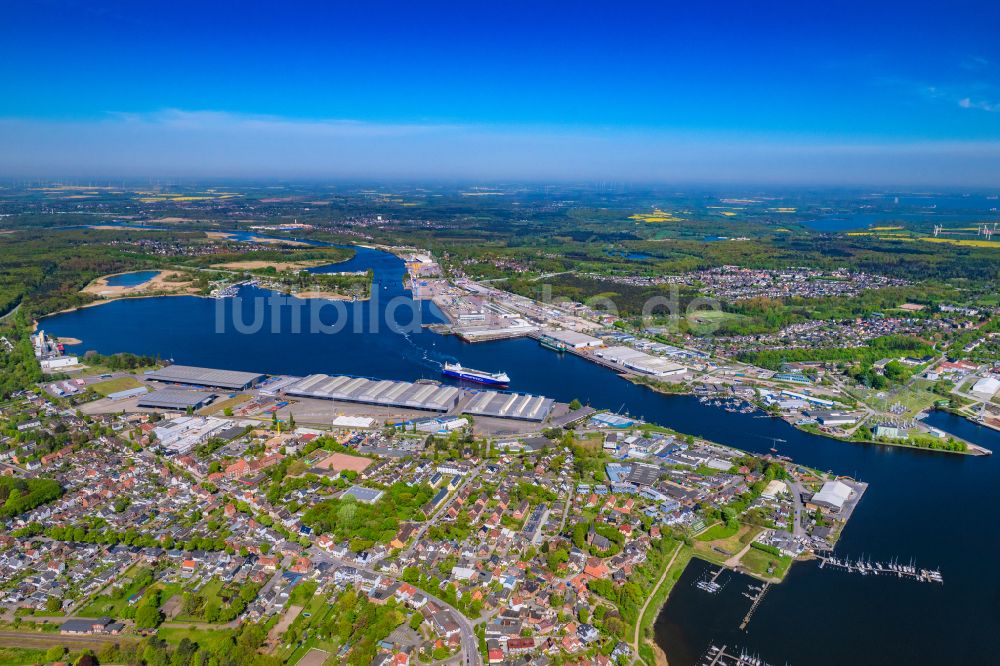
point(798, 91)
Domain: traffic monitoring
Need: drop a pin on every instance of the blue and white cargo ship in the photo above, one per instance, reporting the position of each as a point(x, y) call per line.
point(480, 377)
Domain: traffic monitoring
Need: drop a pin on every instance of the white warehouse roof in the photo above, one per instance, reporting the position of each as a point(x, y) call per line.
point(633, 359)
point(573, 339)
point(833, 494)
point(986, 386)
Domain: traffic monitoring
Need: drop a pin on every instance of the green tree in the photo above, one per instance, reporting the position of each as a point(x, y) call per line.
point(148, 617)
point(53, 605)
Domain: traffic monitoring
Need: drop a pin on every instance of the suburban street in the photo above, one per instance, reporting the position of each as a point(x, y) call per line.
point(443, 508)
point(470, 644)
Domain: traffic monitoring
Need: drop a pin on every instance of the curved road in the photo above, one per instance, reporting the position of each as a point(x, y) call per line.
point(470, 644)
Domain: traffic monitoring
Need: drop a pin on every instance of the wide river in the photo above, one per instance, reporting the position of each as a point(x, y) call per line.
point(931, 507)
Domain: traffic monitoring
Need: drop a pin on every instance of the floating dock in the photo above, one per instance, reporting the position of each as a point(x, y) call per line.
point(710, 584)
point(726, 656)
point(873, 568)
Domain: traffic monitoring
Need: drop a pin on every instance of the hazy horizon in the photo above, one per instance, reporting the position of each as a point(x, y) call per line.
point(851, 95)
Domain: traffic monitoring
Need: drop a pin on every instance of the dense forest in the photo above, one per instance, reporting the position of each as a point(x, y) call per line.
point(44, 272)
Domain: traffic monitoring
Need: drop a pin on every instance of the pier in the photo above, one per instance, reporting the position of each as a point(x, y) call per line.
point(892, 568)
point(710, 584)
point(755, 601)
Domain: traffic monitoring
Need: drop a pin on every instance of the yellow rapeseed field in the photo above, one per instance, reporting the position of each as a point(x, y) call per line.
point(656, 216)
point(965, 242)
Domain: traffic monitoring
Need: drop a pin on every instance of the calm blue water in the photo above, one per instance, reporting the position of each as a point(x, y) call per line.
point(949, 210)
point(861, 221)
point(131, 279)
point(932, 507)
point(631, 256)
point(924, 506)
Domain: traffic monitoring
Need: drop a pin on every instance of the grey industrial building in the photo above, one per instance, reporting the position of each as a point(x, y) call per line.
point(644, 475)
point(429, 397)
point(519, 406)
point(127, 393)
point(232, 380)
point(180, 399)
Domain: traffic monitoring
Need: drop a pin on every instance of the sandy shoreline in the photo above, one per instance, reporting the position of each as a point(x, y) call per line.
point(277, 265)
point(161, 281)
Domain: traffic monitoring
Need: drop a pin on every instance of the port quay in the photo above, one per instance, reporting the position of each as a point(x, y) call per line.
point(318, 398)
